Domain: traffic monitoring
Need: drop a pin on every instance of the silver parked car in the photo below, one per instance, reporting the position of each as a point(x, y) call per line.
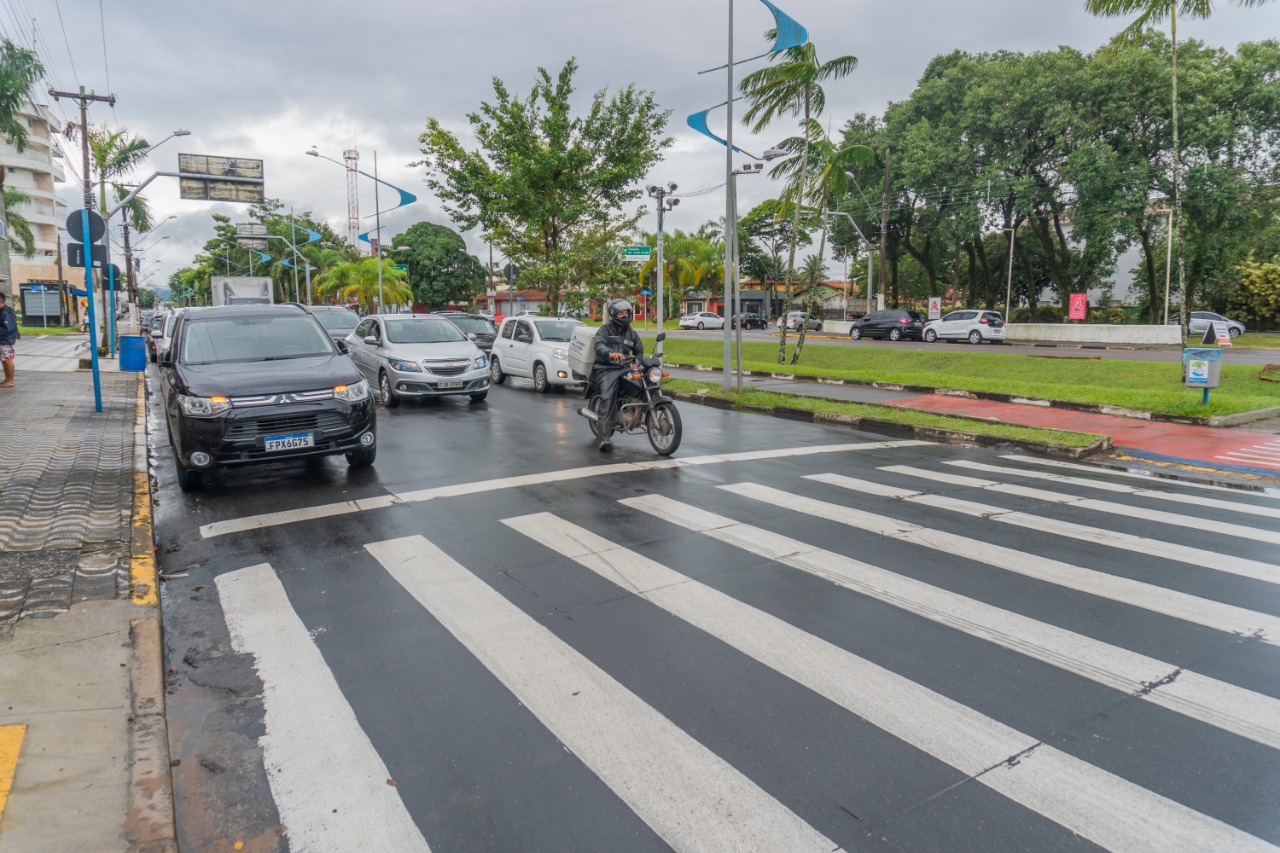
point(418, 355)
point(1201, 320)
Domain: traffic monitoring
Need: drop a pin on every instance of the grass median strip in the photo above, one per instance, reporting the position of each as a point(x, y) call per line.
point(971, 426)
point(1141, 385)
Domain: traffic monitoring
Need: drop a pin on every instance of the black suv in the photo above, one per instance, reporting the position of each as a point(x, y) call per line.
point(338, 320)
point(257, 383)
point(479, 329)
point(890, 323)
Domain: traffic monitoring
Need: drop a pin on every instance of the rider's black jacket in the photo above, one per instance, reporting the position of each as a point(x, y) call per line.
point(629, 344)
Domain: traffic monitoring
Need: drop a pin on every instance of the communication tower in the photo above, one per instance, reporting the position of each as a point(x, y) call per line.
point(352, 158)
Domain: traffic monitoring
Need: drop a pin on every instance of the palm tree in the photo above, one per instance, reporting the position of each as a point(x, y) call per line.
point(360, 279)
point(19, 71)
point(791, 88)
point(1153, 12)
point(19, 227)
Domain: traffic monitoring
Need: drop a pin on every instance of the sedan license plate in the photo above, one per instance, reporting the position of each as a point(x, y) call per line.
point(289, 442)
point(451, 383)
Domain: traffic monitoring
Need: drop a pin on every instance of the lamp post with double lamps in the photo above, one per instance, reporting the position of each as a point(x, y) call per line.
point(870, 252)
point(665, 205)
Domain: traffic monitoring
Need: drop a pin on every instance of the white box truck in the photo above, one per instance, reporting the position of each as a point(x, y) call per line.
point(240, 290)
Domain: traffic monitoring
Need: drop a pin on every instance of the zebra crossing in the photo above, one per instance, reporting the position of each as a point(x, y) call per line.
point(792, 669)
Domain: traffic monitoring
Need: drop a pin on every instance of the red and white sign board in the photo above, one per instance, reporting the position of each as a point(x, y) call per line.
point(1222, 333)
point(935, 307)
point(1079, 305)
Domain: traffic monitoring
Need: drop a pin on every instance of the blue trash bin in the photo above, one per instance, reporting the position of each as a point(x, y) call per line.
point(133, 353)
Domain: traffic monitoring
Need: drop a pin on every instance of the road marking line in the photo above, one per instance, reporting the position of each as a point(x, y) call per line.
point(311, 730)
point(271, 519)
point(1085, 799)
point(1101, 485)
point(1097, 470)
point(691, 797)
point(1134, 593)
point(1243, 712)
point(10, 746)
point(1199, 557)
point(1172, 519)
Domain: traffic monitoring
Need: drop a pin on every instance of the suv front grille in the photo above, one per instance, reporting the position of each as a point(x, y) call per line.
point(251, 428)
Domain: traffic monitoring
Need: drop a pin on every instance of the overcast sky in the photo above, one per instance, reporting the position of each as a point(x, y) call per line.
point(270, 79)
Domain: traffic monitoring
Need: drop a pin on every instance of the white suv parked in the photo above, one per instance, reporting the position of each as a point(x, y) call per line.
point(971, 324)
point(535, 348)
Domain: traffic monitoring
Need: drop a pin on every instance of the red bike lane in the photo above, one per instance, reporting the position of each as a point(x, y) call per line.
point(1235, 450)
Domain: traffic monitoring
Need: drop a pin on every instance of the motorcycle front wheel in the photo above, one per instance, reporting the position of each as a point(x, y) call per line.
point(664, 429)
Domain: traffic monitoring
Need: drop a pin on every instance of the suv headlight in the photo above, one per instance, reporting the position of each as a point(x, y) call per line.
point(560, 352)
point(352, 393)
point(655, 375)
point(480, 361)
point(203, 407)
point(404, 366)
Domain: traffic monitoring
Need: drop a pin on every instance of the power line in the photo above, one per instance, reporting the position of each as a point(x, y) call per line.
point(106, 65)
point(67, 42)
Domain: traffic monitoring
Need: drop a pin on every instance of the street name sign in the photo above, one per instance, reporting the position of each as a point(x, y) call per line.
point(636, 254)
point(251, 229)
point(257, 243)
point(76, 253)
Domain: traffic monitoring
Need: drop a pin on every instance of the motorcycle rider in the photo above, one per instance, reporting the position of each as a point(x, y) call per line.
point(608, 369)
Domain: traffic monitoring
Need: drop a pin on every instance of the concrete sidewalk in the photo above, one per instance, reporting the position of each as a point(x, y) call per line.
point(83, 749)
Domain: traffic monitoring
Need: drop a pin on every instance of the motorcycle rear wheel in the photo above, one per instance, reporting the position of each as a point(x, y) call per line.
point(598, 427)
point(665, 431)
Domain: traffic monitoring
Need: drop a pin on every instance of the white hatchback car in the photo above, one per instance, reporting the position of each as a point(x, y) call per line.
point(535, 348)
point(970, 324)
point(702, 320)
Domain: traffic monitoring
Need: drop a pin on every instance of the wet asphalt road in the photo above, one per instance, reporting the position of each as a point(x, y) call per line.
point(521, 684)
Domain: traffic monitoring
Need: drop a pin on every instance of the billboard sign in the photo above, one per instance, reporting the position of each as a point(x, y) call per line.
point(251, 229)
point(935, 307)
point(1078, 306)
point(257, 243)
point(206, 178)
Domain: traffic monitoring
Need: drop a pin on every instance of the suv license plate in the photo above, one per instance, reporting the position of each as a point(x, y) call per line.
point(289, 442)
point(452, 383)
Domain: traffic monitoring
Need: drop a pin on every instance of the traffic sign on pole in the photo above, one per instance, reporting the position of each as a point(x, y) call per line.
point(636, 254)
point(96, 226)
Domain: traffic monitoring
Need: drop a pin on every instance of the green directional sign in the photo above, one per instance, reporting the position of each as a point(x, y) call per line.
point(636, 254)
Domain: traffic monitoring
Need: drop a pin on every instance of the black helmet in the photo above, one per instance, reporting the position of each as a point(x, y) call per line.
point(620, 312)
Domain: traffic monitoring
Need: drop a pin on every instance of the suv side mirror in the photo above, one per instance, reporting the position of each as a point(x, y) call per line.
point(371, 340)
point(342, 346)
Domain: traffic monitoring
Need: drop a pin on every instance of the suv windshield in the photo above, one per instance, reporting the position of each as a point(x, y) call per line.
point(337, 319)
point(475, 325)
point(557, 330)
point(218, 340)
point(422, 331)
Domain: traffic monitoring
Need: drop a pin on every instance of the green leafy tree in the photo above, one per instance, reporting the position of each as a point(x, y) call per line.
point(542, 175)
point(19, 71)
point(360, 279)
point(1150, 12)
point(769, 232)
point(146, 298)
point(792, 87)
point(19, 228)
point(1257, 301)
point(440, 268)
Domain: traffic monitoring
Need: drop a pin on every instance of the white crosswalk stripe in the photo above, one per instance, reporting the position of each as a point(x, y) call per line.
point(1095, 804)
point(1101, 485)
point(311, 730)
point(692, 798)
point(1099, 471)
point(1172, 519)
point(1232, 708)
point(1179, 605)
point(1212, 560)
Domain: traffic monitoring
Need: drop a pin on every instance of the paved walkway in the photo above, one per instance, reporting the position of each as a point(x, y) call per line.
point(83, 749)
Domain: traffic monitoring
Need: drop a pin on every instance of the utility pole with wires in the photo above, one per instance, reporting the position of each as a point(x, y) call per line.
point(884, 233)
point(84, 98)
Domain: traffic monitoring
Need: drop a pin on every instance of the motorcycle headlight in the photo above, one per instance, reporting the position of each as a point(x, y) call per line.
point(480, 361)
point(203, 407)
point(352, 393)
point(560, 352)
point(655, 375)
point(404, 366)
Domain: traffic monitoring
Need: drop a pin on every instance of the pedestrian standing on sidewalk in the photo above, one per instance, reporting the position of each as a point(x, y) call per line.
point(8, 337)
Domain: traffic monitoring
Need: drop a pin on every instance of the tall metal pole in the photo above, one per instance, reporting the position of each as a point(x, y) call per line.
point(88, 288)
point(308, 263)
point(661, 264)
point(1008, 291)
point(1168, 268)
point(884, 232)
point(377, 213)
point(737, 289)
point(729, 226)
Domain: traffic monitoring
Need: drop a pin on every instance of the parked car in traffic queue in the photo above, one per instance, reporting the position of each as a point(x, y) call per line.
point(969, 324)
point(418, 355)
point(534, 348)
point(338, 321)
point(702, 320)
point(244, 384)
point(891, 324)
point(479, 329)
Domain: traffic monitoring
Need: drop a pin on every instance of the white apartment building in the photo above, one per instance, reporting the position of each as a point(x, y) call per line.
point(36, 171)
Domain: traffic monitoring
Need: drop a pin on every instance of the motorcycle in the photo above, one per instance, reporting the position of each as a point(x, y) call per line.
point(642, 407)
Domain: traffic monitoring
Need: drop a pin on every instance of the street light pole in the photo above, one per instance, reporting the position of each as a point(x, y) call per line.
point(730, 204)
point(377, 212)
point(664, 204)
